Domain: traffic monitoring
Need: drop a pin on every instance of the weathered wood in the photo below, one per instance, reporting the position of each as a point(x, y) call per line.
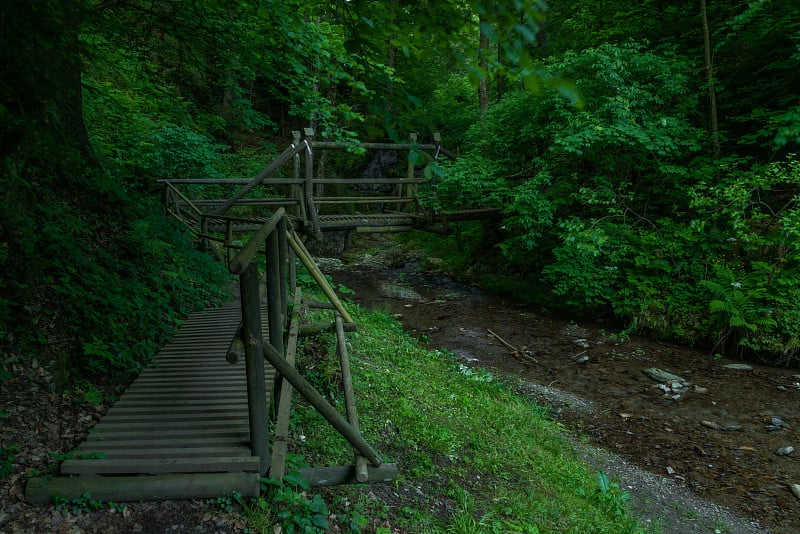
point(382, 229)
point(254, 364)
point(373, 146)
point(236, 348)
point(365, 200)
point(312, 268)
point(349, 394)
point(317, 328)
point(246, 255)
point(339, 476)
point(321, 405)
point(280, 444)
point(143, 488)
point(285, 156)
point(311, 209)
point(213, 464)
point(318, 304)
point(277, 201)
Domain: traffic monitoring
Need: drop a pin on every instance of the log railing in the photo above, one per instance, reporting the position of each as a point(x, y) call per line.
point(280, 248)
point(304, 193)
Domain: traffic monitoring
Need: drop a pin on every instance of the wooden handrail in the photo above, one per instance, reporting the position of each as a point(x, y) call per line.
point(248, 253)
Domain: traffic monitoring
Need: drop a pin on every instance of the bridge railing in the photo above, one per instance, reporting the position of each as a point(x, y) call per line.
point(279, 246)
point(306, 193)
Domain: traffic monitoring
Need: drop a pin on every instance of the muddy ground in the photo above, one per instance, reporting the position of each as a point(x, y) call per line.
point(722, 433)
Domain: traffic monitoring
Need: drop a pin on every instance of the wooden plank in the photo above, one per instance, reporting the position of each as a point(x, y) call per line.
point(171, 452)
point(98, 445)
point(144, 488)
point(339, 476)
point(157, 466)
point(157, 425)
point(101, 435)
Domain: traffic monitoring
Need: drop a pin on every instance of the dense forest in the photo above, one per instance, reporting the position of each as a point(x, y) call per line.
point(643, 153)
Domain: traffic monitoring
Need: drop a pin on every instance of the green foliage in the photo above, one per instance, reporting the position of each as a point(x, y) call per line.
point(288, 505)
point(84, 504)
point(227, 503)
point(754, 284)
point(7, 457)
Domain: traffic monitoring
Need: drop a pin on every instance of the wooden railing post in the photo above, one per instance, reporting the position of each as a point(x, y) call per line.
point(254, 365)
point(311, 208)
point(283, 257)
point(405, 189)
point(296, 190)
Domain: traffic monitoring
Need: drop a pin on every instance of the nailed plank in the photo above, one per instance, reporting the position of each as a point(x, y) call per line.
point(144, 488)
point(161, 465)
point(98, 445)
point(170, 452)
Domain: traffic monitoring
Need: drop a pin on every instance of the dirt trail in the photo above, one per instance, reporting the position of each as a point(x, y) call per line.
point(714, 435)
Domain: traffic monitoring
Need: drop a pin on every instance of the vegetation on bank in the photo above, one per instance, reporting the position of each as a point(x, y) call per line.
point(474, 456)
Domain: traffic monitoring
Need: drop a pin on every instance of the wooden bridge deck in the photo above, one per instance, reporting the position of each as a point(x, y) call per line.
point(183, 422)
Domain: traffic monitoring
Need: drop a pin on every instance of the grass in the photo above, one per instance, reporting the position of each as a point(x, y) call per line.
point(473, 455)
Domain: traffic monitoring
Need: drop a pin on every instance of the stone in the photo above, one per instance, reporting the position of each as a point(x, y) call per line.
point(796, 490)
point(777, 421)
point(783, 451)
point(659, 375)
point(737, 367)
point(700, 390)
point(582, 343)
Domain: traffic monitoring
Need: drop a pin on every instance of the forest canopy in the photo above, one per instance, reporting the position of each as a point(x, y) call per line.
point(643, 153)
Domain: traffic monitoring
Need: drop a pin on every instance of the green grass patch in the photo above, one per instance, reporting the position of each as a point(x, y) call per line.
point(473, 455)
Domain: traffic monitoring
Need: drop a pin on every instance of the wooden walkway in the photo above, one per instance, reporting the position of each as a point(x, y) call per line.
point(183, 423)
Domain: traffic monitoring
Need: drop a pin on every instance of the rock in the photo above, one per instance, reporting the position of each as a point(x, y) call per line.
point(676, 385)
point(573, 330)
point(582, 343)
point(700, 390)
point(732, 428)
point(783, 451)
point(710, 424)
point(777, 421)
point(329, 264)
point(582, 359)
point(796, 490)
point(737, 367)
point(659, 375)
point(670, 471)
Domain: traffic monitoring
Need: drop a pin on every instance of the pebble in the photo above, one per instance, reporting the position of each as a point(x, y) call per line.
point(582, 343)
point(700, 390)
point(796, 490)
point(777, 421)
point(783, 451)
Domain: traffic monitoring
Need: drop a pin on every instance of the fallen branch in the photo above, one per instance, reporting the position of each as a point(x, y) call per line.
point(523, 354)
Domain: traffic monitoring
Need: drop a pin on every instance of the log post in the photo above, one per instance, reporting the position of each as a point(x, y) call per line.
point(349, 394)
point(254, 365)
point(311, 208)
point(275, 304)
point(295, 190)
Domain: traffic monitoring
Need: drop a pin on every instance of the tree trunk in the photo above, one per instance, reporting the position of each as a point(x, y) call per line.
point(483, 86)
point(709, 66)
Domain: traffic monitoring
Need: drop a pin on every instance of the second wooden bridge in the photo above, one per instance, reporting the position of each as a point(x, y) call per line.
point(316, 203)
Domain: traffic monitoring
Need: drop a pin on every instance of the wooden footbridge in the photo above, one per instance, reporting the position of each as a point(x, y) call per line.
point(210, 415)
point(316, 203)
